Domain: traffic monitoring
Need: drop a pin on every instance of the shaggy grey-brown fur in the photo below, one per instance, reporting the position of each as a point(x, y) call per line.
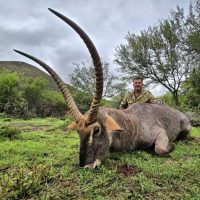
point(143, 125)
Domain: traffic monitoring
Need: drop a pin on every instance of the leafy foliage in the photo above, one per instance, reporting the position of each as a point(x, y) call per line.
point(193, 30)
point(9, 86)
point(24, 181)
point(82, 99)
point(52, 104)
point(27, 70)
point(191, 91)
point(168, 99)
point(11, 97)
point(28, 97)
point(34, 91)
point(9, 132)
point(83, 78)
point(160, 53)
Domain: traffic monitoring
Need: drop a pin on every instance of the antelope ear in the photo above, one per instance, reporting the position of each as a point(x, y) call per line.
point(111, 125)
point(72, 125)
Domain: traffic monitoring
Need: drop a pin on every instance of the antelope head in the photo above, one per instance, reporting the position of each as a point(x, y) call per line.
point(87, 126)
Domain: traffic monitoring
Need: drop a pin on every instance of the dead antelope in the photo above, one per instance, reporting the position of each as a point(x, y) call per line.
point(139, 127)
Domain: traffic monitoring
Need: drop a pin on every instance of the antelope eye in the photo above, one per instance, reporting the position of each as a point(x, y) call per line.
point(96, 131)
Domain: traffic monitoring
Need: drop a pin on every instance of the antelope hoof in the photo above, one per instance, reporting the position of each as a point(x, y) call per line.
point(93, 165)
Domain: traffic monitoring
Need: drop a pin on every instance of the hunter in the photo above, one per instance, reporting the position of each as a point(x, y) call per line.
point(138, 94)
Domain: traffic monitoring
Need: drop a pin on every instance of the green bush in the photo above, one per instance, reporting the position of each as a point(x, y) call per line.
point(83, 100)
point(168, 99)
point(30, 97)
point(24, 182)
point(17, 108)
point(191, 91)
point(9, 132)
point(33, 91)
point(116, 100)
point(9, 88)
point(52, 104)
point(12, 102)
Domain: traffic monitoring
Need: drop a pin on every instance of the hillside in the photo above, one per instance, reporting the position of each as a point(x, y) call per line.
point(83, 100)
point(27, 70)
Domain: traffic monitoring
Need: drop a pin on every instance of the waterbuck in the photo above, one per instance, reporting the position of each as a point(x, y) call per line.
point(102, 129)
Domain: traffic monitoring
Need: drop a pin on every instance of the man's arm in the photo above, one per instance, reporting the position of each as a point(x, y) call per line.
point(153, 99)
point(124, 103)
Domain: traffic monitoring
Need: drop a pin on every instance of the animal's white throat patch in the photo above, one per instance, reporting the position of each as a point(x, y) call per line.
point(91, 135)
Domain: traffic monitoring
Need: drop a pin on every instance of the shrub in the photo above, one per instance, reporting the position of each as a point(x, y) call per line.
point(52, 104)
point(24, 182)
point(9, 88)
point(17, 108)
point(9, 132)
point(33, 91)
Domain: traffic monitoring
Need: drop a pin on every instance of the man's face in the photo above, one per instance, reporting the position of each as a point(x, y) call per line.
point(138, 84)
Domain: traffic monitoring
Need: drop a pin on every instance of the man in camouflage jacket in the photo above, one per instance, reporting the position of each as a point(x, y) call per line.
point(138, 95)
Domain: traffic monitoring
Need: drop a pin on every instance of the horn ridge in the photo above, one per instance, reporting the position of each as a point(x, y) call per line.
point(92, 116)
point(66, 94)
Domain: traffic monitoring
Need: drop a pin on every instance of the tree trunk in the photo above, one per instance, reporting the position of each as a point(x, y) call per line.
point(176, 98)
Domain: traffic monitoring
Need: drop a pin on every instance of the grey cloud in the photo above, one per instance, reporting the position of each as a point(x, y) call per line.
point(28, 26)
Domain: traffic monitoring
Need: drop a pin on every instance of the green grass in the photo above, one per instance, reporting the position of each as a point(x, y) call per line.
point(43, 164)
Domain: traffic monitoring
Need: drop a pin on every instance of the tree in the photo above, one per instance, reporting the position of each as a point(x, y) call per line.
point(27, 97)
point(159, 54)
point(193, 30)
point(9, 87)
point(191, 91)
point(83, 78)
point(52, 104)
point(12, 102)
point(34, 89)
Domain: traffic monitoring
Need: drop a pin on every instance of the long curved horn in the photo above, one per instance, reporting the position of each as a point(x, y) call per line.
point(94, 108)
point(68, 98)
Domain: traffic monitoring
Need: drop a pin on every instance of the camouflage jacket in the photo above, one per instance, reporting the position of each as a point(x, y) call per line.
point(144, 97)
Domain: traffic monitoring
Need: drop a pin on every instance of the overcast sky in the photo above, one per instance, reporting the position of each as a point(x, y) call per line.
point(29, 26)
